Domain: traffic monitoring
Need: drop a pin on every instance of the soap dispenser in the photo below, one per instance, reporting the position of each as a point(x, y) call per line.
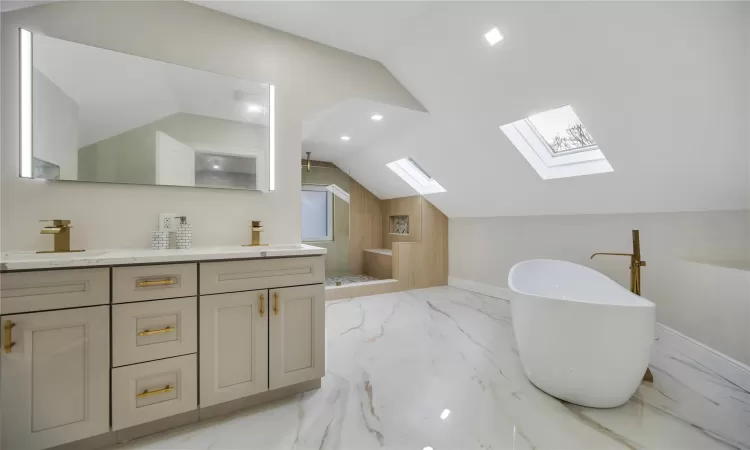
point(184, 234)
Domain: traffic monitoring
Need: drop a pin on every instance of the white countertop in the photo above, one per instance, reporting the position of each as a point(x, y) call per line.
point(92, 258)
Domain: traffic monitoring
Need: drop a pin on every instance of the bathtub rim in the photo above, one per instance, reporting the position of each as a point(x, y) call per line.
point(637, 301)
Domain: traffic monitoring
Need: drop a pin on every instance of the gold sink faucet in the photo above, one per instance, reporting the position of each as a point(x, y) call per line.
point(256, 227)
point(635, 263)
point(61, 229)
point(635, 276)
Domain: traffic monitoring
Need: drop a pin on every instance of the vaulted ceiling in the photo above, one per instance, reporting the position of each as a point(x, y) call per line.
point(663, 88)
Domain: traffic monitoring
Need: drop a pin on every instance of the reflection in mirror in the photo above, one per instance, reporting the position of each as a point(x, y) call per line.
point(104, 116)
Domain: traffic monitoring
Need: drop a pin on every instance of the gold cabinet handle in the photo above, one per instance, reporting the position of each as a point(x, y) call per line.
point(147, 393)
point(159, 331)
point(7, 338)
point(149, 283)
point(275, 303)
point(262, 305)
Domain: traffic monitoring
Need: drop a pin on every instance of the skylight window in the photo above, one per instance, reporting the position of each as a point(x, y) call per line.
point(562, 130)
point(557, 145)
point(415, 176)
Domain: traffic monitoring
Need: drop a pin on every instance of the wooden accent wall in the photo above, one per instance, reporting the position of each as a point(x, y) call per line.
point(432, 256)
point(365, 225)
point(415, 265)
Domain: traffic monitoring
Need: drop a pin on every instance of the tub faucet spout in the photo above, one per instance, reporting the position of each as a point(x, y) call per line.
point(635, 263)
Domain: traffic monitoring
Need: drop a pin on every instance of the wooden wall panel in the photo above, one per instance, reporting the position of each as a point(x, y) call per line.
point(405, 206)
point(424, 264)
point(430, 258)
point(365, 225)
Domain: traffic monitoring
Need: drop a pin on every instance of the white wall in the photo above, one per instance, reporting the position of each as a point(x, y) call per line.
point(484, 250)
point(747, 94)
point(55, 126)
point(308, 77)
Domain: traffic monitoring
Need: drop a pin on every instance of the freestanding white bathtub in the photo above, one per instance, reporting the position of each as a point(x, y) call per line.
point(582, 337)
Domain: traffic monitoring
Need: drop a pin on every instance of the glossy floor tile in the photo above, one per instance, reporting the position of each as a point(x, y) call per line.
point(438, 368)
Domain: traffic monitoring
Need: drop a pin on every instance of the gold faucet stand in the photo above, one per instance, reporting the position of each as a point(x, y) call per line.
point(635, 277)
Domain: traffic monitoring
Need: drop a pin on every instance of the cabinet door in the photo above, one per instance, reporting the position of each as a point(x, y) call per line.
point(55, 377)
point(233, 346)
point(297, 335)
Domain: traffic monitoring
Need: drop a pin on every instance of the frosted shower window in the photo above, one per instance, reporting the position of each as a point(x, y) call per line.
point(317, 214)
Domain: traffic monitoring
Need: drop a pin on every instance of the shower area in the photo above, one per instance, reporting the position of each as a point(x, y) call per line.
point(326, 206)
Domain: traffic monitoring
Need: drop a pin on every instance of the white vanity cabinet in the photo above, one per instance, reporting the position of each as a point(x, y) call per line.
point(98, 355)
point(296, 335)
point(233, 346)
point(261, 339)
point(55, 377)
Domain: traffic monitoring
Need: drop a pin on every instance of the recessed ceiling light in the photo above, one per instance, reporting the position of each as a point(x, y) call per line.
point(377, 117)
point(493, 36)
point(216, 166)
point(345, 137)
point(254, 108)
point(427, 448)
point(445, 414)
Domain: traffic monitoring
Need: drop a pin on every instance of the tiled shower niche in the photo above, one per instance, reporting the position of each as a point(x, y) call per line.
point(399, 224)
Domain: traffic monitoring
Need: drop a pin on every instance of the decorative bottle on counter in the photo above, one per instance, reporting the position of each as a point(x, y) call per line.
point(184, 234)
point(160, 240)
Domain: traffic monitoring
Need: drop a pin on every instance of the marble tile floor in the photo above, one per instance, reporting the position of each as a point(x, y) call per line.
point(438, 368)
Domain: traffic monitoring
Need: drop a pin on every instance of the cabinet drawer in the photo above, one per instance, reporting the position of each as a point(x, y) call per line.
point(235, 276)
point(145, 392)
point(135, 284)
point(158, 329)
point(37, 291)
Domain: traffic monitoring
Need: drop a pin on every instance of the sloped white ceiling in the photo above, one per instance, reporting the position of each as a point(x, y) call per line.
point(662, 87)
point(321, 132)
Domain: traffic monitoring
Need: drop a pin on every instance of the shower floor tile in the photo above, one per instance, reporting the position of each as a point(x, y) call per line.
point(348, 279)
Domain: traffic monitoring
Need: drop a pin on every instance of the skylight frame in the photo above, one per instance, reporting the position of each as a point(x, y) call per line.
point(415, 176)
point(532, 145)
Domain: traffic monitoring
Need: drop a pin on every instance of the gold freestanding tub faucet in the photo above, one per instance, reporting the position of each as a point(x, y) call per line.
point(635, 263)
point(635, 275)
point(61, 229)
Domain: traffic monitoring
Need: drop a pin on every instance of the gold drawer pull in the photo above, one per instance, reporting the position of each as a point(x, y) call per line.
point(149, 283)
point(147, 393)
point(275, 303)
point(262, 305)
point(7, 338)
point(161, 330)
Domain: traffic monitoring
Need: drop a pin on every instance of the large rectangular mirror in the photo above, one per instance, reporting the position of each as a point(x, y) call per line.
point(103, 116)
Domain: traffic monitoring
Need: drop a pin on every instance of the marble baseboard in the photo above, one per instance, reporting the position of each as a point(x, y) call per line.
point(722, 365)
